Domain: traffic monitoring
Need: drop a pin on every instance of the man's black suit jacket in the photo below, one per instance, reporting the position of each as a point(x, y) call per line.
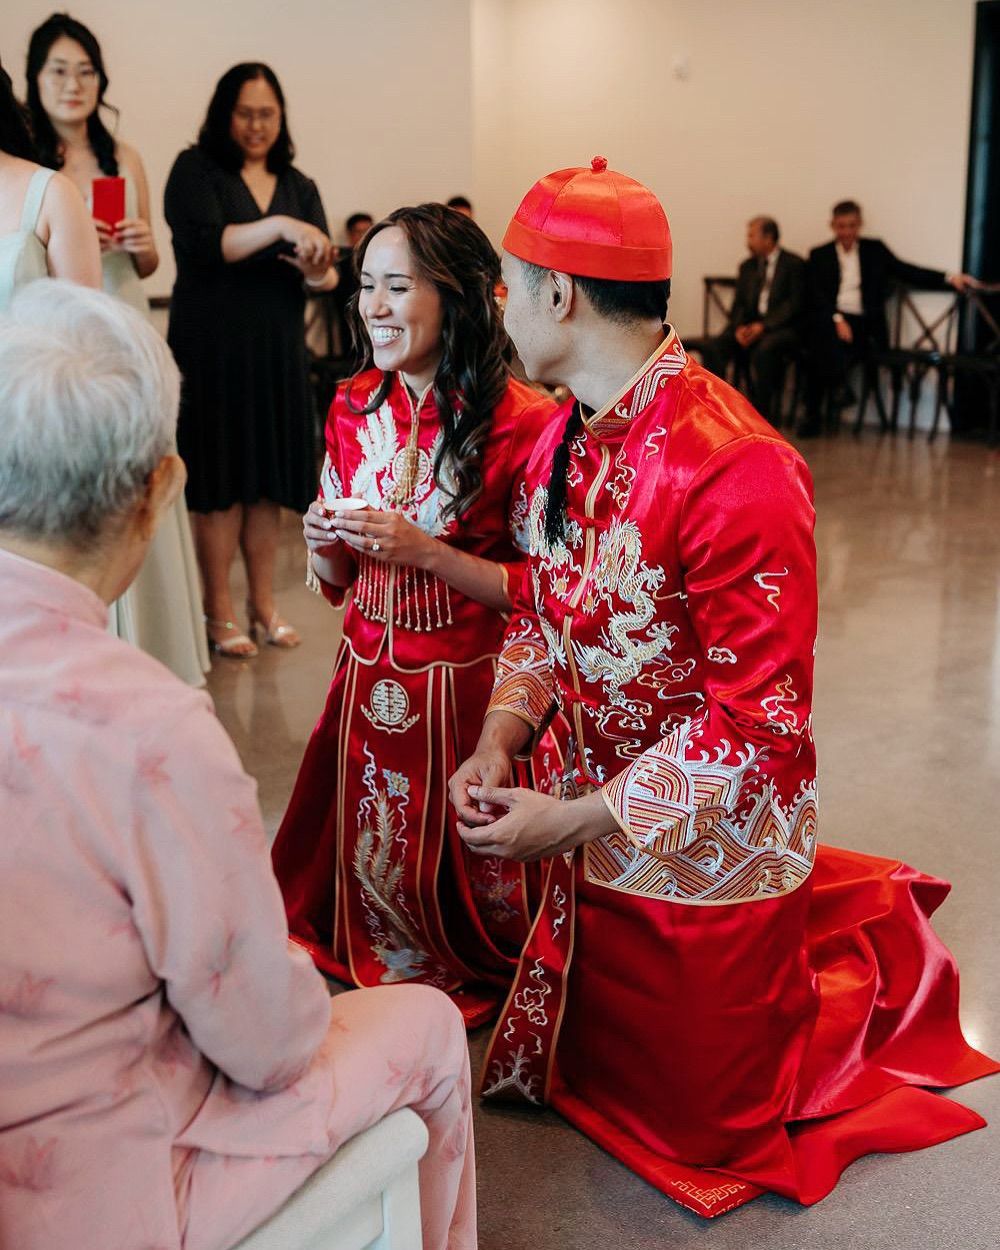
point(879, 269)
point(786, 301)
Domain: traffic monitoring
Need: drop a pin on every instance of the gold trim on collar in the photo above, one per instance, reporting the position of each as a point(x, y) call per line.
point(610, 417)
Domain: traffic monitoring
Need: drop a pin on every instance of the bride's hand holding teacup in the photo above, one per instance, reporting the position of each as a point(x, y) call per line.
point(386, 536)
point(319, 524)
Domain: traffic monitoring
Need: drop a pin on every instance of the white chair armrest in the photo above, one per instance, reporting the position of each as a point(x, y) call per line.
point(346, 1193)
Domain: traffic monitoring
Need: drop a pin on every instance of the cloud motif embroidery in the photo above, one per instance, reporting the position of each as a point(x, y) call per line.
point(720, 655)
point(772, 587)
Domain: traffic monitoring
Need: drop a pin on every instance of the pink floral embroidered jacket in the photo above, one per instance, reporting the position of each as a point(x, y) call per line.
point(150, 1003)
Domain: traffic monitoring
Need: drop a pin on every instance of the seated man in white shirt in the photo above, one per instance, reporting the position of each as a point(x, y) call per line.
point(764, 321)
point(849, 281)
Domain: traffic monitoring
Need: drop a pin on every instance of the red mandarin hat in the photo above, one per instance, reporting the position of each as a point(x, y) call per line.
point(593, 223)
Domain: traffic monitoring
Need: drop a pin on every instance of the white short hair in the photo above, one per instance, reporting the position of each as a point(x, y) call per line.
point(88, 408)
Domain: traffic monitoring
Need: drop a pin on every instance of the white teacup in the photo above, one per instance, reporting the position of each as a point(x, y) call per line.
point(345, 505)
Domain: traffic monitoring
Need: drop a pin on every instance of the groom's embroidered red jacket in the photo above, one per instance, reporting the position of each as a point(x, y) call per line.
point(675, 627)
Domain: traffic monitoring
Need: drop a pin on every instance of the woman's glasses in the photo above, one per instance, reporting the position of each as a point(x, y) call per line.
point(266, 116)
point(58, 75)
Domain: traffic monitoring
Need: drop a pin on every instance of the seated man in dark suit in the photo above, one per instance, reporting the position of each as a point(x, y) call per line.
point(849, 281)
point(764, 321)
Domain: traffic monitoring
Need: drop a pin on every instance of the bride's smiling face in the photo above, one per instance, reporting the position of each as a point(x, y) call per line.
point(401, 310)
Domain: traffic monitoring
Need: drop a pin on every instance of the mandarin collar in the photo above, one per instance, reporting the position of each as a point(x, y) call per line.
point(639, 391)
point(24, 581)
point(404, 396)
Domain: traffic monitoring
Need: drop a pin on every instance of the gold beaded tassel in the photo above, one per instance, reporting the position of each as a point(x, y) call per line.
point(415, 590)
point(366, 573)
point(366, 581)
point(371, 589)
point(406, 485)
point(381, 579)
point(359, 587)
point(416, 600)
point(427, 601)
point(403, 494)
point(406, 579)
point(371, 580)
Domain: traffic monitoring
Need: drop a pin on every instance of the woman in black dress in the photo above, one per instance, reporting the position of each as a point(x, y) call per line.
point(249, 235)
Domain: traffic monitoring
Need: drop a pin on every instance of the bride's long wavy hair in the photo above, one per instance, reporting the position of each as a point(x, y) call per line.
point(451, 251)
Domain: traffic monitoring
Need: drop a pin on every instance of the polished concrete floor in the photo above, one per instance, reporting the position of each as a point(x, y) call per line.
point(907, 720)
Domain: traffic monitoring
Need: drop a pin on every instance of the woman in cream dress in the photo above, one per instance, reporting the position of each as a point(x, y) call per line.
point(161, 611)
point(44, 230)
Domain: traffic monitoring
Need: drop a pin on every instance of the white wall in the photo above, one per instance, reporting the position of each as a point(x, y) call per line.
point(788, 106)
point(378, 93)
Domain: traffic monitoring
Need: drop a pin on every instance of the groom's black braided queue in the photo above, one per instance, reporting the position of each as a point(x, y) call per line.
point(555, 508)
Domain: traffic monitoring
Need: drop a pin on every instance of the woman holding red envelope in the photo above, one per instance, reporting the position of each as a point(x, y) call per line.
point(67, 82)
point(44, 229)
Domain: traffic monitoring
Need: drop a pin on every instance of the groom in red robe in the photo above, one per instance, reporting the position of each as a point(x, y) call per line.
point(719, 1003)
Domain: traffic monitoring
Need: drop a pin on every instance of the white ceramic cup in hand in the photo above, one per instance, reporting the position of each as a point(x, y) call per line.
point(344, 505)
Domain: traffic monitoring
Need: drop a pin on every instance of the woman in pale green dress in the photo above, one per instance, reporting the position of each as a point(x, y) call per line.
point(161, 611)
point(44, 229)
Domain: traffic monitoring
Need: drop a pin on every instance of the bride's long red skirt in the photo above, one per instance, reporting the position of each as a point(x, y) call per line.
point(378, 886)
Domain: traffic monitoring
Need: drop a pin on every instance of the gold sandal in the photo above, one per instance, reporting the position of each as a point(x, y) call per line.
point(276, 632)
point(239, 647)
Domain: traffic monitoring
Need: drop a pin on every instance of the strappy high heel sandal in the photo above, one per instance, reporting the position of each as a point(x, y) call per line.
point(237, 647)
point(276, 632)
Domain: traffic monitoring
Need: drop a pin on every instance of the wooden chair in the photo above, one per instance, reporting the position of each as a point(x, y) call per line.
point(714, 300)
point(717, 301)
point(982, 365)
point(908, 365)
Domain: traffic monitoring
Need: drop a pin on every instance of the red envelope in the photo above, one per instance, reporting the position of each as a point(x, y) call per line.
point(109, 200)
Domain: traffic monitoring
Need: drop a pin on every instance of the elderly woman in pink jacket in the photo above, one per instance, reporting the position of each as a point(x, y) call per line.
point(171, 1070)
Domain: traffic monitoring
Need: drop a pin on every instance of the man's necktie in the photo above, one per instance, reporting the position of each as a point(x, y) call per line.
point(764, 287)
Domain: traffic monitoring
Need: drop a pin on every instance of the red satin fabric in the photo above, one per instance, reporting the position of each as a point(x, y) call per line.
point(676, 628)
point(593, 222)
point(739, 1061)
point(722, 1013)
point(451, 920)
point(363, 455)
point(377, 883)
